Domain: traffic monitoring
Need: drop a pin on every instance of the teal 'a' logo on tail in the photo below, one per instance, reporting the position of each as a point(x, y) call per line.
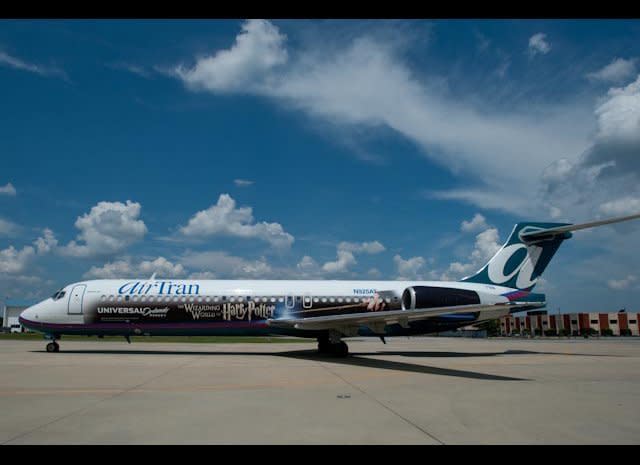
point(520, 262)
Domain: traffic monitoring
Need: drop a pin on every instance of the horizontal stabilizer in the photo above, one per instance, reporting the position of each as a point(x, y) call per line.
point(550, 232)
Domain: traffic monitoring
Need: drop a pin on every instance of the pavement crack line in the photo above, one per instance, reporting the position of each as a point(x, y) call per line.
point(104, 399)
point(357, 388)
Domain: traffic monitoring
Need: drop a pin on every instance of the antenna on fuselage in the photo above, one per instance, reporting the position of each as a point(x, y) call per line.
point(153, 276)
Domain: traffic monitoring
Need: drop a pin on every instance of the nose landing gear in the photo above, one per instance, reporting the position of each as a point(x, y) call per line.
point(53, 347)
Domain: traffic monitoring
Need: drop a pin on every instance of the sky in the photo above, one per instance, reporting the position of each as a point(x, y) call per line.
point(319, 149)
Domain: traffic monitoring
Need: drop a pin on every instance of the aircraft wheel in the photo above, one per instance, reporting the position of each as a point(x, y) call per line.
point(323, 346)
point(53, 347)
point(341, 349)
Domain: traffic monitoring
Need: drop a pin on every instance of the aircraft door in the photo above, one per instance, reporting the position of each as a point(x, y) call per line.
point(76, 298)
point(307, 301)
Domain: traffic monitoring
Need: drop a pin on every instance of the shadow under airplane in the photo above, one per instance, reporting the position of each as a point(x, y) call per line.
point(361, 359)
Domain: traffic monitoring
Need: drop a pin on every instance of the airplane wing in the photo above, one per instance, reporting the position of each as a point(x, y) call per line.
point(550, 232)
point(377, 320)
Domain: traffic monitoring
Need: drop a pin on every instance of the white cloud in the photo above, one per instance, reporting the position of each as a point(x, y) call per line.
point(224, 218)
point(625, 206)
point(8, 228)
point(108, 228)
point(605, 178)
point(374, 273)
point(619, 115)
point(46, 243)
point(620, 284)
point(126, 269)
point(366, 83)
point(345, 255)
point(131, 68)
point(242, 182)
point(8, 190)
point(477, 223)
point(14, 261)
point(224, 265)
point(616, 72)
point(362, 247)
point(538, 44)
point(257, 50)
point(486, 245)
point(307, 265)
point(16, 63)
point(409, 269)
point(203, 275)
point(342, 264)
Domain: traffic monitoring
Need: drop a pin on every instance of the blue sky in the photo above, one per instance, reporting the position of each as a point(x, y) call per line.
point(316, 149)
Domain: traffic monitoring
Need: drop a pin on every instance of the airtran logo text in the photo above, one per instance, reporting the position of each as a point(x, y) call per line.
point(159, 288)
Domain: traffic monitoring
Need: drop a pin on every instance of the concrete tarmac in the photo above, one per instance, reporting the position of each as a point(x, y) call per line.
point(420, 391)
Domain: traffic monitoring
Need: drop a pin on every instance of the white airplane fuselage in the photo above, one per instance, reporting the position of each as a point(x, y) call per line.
point(239, 307)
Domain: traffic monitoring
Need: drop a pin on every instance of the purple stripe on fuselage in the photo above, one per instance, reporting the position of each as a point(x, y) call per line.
point(142, 326)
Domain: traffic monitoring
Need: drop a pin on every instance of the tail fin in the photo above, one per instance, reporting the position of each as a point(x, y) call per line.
point(528, 251)
point(519, 263)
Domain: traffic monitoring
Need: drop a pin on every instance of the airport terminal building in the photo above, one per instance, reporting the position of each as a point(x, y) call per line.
point(572, 324)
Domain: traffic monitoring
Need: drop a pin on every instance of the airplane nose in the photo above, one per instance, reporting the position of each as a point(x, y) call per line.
point(26, 315)
point(29, 314)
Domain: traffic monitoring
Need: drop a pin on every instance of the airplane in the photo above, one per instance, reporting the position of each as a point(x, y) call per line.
point(327, 310)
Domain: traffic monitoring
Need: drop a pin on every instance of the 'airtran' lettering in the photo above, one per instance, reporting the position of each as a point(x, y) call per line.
point(159, 288)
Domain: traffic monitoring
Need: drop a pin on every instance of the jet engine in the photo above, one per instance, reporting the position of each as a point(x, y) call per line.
point(430, 297)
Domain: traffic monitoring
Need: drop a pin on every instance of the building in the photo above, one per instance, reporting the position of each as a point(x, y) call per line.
point(571, 324)
point(10, 311)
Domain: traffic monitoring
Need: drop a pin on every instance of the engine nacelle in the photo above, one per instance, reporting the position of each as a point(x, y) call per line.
point(430, 297)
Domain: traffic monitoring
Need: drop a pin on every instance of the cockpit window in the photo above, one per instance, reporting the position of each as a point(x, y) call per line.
point(58, 295)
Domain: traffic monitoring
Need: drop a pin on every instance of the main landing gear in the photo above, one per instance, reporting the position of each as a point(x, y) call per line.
point(328, 347)
point(53, 347)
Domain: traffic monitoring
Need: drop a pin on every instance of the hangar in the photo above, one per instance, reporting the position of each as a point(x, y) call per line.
point(11, 310)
